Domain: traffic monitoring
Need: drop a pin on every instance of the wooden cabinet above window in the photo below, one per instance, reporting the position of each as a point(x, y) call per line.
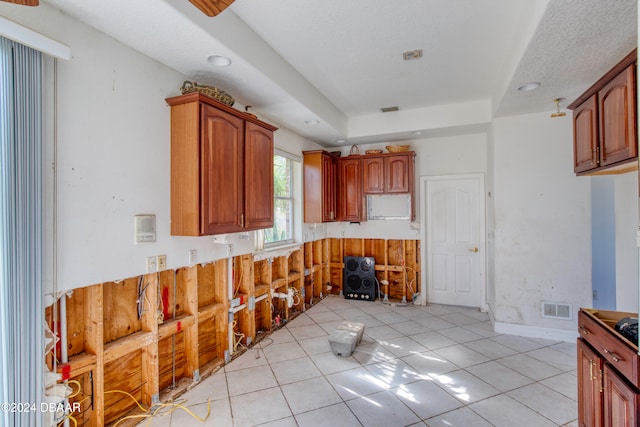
point(221, 168)
point(604, 123)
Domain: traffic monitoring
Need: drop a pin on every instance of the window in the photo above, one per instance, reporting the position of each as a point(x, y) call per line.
point(283, 203)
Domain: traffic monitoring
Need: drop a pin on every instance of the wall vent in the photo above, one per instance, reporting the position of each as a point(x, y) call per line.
point(556, 310)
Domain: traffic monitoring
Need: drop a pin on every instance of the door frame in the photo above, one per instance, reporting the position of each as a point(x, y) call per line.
point(482, 239)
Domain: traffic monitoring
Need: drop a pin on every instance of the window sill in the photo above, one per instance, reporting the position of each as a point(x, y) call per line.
point(275, 251)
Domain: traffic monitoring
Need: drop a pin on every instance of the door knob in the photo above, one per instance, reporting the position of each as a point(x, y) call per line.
point(473, 250)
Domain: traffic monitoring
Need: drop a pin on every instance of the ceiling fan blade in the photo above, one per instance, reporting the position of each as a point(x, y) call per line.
point(210, 7)
point(23, 2)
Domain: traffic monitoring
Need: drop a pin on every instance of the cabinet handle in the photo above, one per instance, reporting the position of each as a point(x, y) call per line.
point(614, 356)
point(583, 330)
point(242, 220)
point(591, 363)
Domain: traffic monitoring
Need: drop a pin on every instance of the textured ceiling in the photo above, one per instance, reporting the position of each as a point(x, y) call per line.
point(339, 61)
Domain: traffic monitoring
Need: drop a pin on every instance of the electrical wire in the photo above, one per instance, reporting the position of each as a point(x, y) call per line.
point(142, 292)
point(147, 413)
point(237, 337)
point(237, 290)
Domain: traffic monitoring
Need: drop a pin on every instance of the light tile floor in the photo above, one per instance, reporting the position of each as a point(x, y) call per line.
point(416, 366)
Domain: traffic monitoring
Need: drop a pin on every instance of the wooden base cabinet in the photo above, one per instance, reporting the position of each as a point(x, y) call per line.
point(589, 386)
point(608, 377)
point(620, 400)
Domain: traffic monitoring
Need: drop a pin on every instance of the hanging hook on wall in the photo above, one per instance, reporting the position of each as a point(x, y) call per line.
point(558, 113)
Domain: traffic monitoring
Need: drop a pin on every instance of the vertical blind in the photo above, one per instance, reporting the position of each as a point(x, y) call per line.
point(21, 310)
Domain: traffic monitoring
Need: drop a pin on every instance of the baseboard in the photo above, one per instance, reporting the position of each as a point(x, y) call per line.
point(534, 331)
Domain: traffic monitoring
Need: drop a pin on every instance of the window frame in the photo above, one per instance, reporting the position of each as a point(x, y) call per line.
point(291, 198)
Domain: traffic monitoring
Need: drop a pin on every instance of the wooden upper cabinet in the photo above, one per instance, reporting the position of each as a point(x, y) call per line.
point(605, 124)
point(334, 188)
point(373, 174)
point(258, 177)
point(585, 135)
point(388, 173)
point(319, 170)
point(399, 173)
point(329, 188)
point(617, 110)
point(221, 168)
point(350, 195)
point(221, 188)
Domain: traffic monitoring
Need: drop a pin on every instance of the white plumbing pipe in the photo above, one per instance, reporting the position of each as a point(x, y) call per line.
point(230, 295)
point(236, 309)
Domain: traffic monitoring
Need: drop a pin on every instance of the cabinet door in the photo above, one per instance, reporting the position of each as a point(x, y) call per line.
point(373, 175)
point(328, 188)
point(620, 401)
point(222, 166)
point(398, 173)
point(618, 118)
point(589, 386)
point(350, 197)
point(258, 177)
point(585, 136)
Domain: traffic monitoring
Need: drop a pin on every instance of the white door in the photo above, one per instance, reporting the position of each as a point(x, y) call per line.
point(454, 234)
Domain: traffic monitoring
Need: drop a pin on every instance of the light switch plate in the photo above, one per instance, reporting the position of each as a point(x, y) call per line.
point(152, 265)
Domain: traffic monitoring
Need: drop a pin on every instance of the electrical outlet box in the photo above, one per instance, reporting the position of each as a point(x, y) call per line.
point(162, 262)
point(193, 257)
point(152, 265)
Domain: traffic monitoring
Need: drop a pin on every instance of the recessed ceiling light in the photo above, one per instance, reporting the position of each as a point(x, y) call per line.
point(312, 122)
point(389, 109)
point(341, 141)
point(416, 132)
point(526, 87)
point(218, 60)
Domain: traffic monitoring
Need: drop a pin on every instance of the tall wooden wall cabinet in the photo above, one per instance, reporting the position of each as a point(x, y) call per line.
point(221, 168)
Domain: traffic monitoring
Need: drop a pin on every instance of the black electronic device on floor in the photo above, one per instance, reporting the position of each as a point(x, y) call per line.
point(359, 278)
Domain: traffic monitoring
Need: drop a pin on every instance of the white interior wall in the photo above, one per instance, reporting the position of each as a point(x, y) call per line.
point(542, 221)
point(113, 158)
point(434, 156)
point(626, 223)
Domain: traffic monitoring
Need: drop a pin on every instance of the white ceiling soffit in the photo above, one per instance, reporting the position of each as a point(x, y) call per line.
point(339, 61)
